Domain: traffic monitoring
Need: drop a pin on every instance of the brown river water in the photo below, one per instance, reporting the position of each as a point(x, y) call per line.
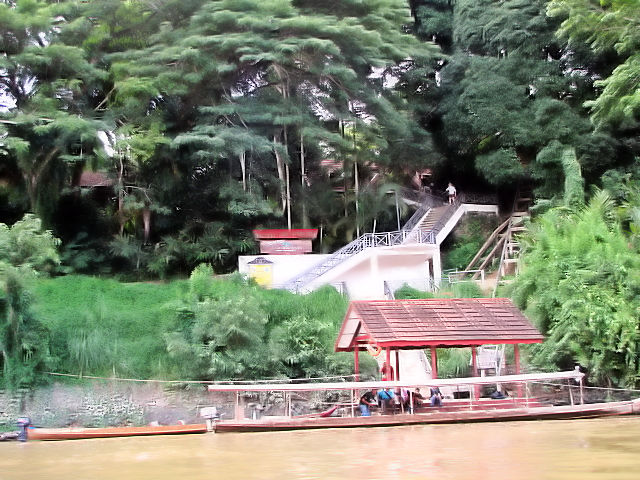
point(606, 448)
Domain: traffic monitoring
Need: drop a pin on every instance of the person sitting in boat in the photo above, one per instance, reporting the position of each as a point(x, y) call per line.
point(417, 398)
point(367, 401)
point(387, 372)
point(497, 395)
point(385, 399)
point(436, 397)
point(402, 399)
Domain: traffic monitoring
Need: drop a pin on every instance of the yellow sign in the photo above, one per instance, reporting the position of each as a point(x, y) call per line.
point(262, 274)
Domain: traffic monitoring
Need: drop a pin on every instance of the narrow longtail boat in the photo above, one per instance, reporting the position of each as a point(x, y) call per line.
point(107, 432)
point(389, 326)
point(452, 411)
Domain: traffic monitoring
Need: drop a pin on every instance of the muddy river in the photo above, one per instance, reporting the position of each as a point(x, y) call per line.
point(581, 449)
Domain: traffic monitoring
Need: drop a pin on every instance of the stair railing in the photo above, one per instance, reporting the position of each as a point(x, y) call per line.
point(368, 240)
point(408, 233)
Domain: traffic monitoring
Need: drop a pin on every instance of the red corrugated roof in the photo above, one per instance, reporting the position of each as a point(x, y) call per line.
point(284, 233)
point(95, 179)
point(435, 322)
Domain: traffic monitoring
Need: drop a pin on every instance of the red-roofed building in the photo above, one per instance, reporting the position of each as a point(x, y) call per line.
point(285, 241)
point(94, 179)
point(434, 323)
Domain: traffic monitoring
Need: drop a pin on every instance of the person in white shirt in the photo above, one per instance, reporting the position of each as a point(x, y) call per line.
point(451, 190)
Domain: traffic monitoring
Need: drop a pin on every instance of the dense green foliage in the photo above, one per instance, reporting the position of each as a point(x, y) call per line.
point(508, 100)
point(25, 252)
point(203, 328)
point(581, 284)
point(209, 118)
point(608, 26)
point(469, 235)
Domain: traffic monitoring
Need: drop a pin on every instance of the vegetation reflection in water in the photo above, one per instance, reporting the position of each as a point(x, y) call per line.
point(585, 449)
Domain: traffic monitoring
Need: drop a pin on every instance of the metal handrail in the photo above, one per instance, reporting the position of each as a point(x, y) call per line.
point(409, 232)
point(368, 240)
point(457, 276)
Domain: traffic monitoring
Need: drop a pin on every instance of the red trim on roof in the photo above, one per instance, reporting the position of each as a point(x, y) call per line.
point(469, 343)
point(284, 233)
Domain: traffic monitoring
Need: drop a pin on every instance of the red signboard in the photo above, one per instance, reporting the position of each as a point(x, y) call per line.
point(283, 233)
point(285, 247)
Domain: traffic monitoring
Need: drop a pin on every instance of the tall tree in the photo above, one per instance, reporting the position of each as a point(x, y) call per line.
point(508, 101)
point(49, 88)
point(579, 283)
point(608, 25)
point(25, 250)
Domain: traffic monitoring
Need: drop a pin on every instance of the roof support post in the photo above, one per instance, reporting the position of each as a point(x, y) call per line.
point(356, 362)
point(474, 362)
point(390, 370)
point(516, 355)
point(434, 363)
point(397, 365)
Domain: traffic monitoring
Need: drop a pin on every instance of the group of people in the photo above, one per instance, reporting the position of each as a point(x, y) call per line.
point(386, 400)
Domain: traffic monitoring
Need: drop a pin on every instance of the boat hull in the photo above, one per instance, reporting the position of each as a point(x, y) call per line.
point(82, 433)
point(469, 416)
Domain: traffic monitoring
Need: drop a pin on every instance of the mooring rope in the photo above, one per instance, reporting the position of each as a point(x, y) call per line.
point(202, 382)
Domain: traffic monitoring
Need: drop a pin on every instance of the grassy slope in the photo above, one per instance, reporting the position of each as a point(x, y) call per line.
point(103, 327)
point(118, 324)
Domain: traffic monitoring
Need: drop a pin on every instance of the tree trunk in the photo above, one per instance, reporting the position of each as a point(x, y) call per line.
point(33, 178)
point(146, 221)
point(121, 219)
point(281, 173)
point(303, 183)
point(286, 167)
point(243, 167)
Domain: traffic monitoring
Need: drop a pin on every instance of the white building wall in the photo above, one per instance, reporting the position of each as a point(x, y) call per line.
point(284, 266)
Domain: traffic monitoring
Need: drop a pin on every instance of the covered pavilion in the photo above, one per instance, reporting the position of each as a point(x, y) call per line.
point(393, 325)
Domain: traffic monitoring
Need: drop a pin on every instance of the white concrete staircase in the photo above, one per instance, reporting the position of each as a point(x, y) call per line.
point(429, 226)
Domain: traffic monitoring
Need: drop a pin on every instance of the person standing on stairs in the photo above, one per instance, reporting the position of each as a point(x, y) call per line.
point(451, 190)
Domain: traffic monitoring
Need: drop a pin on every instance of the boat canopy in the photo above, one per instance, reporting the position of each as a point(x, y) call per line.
point(435, 322)
point(309, 387)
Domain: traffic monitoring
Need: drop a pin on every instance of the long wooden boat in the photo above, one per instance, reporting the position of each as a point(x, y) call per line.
point(82, 433)
point(453, 411)
point(470, 416)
